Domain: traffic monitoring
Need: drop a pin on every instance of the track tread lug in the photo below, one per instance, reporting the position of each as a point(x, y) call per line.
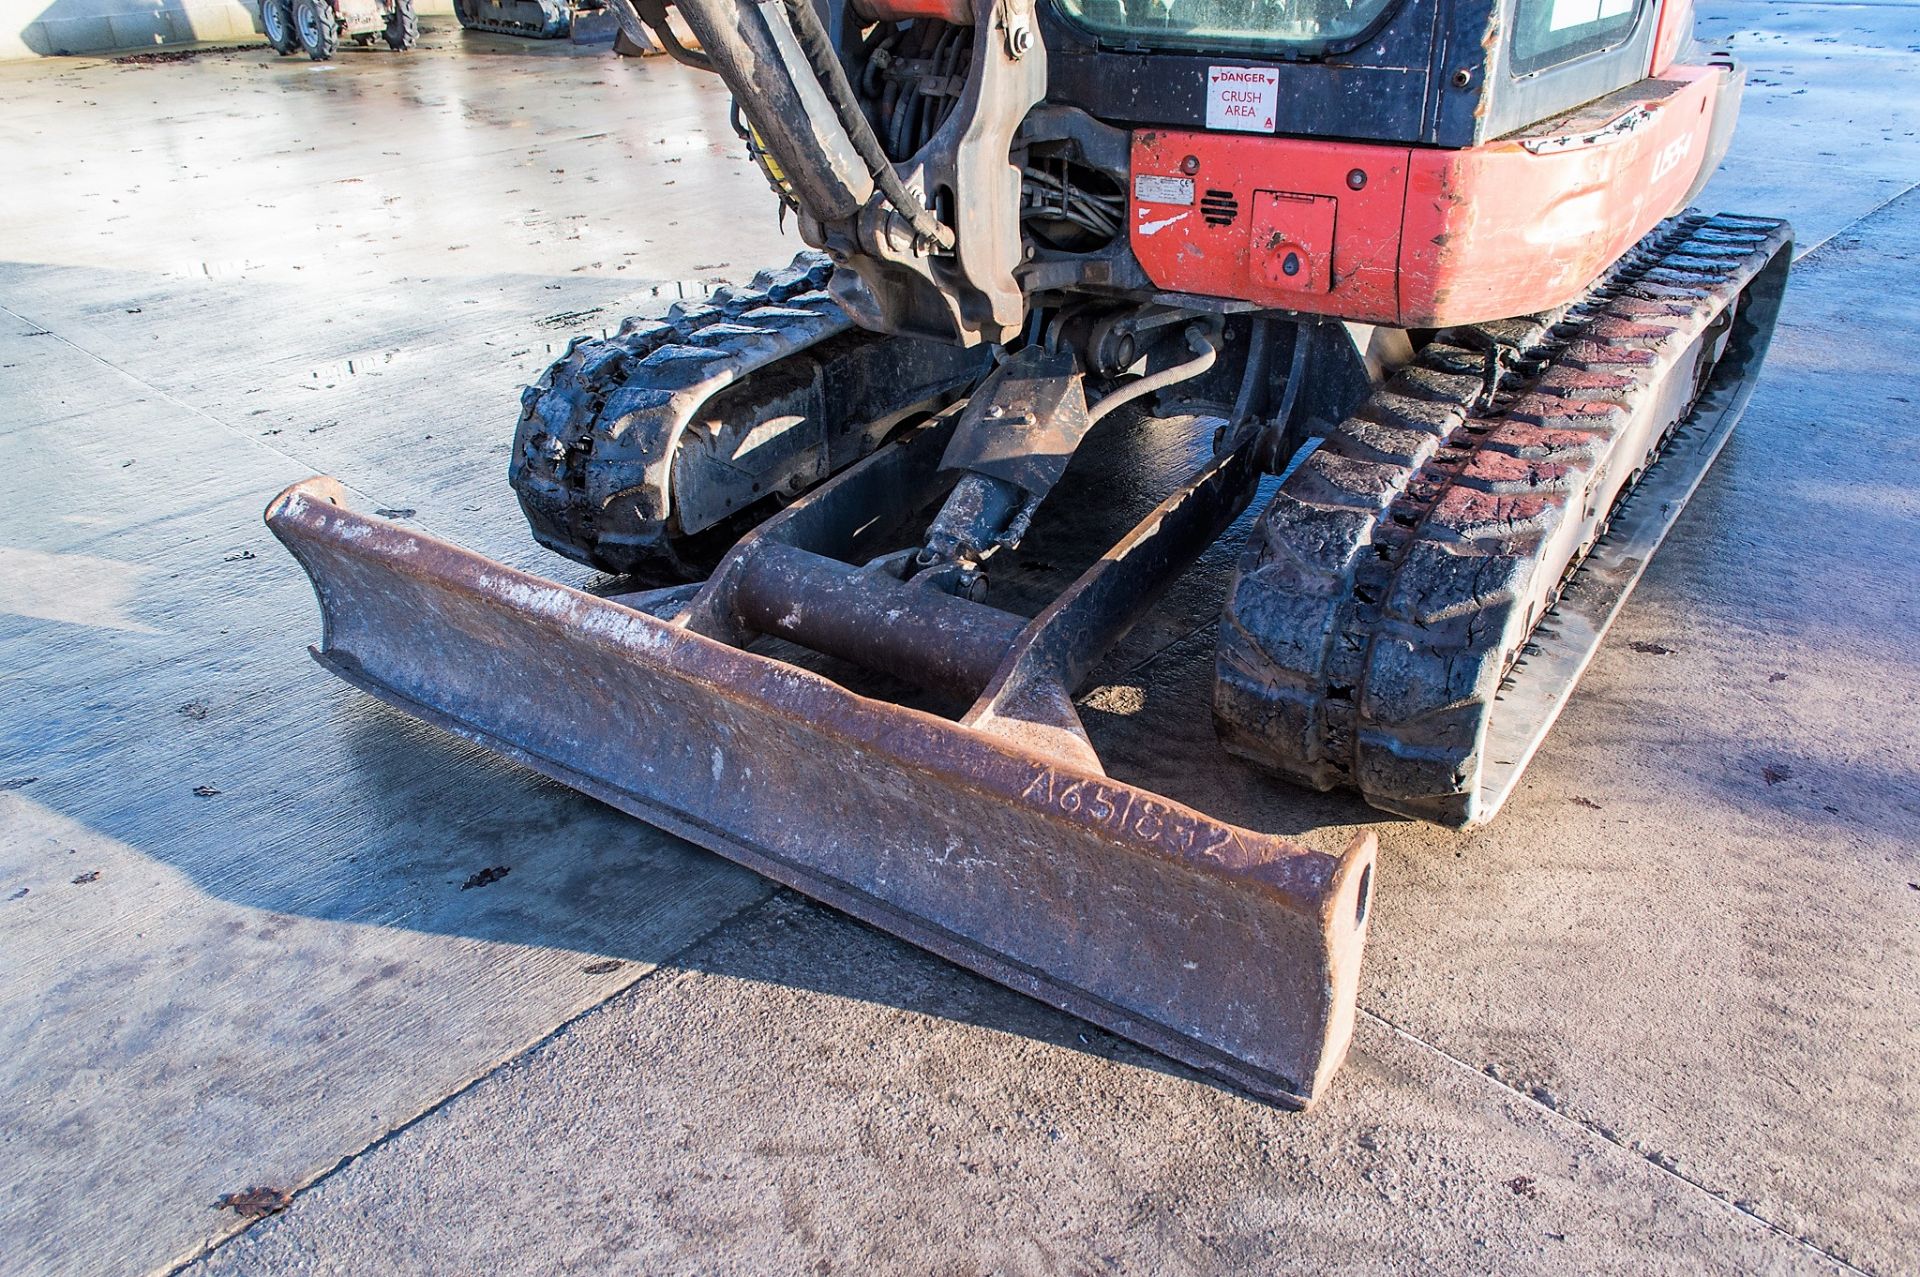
point(1389, 408)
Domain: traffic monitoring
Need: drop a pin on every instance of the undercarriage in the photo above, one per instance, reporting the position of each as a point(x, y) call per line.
point(1384, 632)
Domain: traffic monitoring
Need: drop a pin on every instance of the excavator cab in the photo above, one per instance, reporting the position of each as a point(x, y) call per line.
point(1419, 275)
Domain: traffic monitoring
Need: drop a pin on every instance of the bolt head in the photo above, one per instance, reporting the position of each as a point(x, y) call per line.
point(1190, 165)
point(1356, 179)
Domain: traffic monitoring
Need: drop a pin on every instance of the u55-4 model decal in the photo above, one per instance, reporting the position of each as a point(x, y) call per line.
point(1670, 156)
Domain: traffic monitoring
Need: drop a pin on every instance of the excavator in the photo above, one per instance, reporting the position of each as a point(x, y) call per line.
point(1414, 286)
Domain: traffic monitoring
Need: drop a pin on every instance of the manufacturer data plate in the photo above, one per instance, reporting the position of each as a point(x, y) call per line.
point(1151, 189)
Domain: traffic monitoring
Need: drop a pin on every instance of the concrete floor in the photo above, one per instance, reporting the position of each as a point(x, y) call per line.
point(1660, 1017)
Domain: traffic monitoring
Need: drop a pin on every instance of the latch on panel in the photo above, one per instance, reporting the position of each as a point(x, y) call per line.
point(1292, 244)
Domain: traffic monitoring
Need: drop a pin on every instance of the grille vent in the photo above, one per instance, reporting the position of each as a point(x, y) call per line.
point(1219, 208)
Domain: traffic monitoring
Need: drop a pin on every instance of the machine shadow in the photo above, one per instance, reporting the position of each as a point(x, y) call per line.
point(799, 944)
point(772, 934)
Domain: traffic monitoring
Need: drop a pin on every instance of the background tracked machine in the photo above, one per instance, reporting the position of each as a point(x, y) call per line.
point(584, 21)
point(1424, 260)
point(535, 19)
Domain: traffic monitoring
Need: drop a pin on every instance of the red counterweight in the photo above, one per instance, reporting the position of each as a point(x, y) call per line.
point(1420, 237)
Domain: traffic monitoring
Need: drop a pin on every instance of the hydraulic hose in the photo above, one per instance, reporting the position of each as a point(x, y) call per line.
point(653, 21)
point(754, 49)
point(1205, 351)
point(812, 35)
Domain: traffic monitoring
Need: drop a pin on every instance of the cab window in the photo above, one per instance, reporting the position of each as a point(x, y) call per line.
point(1301, 26)
point(1549, 32)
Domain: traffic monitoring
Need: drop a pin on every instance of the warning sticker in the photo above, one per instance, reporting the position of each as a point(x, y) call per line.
point(1243, 98)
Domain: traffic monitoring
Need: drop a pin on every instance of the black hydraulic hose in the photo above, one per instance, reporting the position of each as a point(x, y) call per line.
point(670, 41)
point(653, 21)
point(812, 35)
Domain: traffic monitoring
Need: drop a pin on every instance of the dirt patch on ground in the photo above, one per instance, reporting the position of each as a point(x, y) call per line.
point(159, 56)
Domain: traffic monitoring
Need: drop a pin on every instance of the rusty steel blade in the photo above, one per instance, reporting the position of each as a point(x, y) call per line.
point(1233, 951)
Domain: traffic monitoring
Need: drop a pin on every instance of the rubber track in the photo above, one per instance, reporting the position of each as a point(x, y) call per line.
point(603, 419)
point(555, 23)
point(527, 29)
point(1400, 569)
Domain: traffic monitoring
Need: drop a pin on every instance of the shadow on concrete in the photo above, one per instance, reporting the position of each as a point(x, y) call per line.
point(68, 28)
point(542, 839)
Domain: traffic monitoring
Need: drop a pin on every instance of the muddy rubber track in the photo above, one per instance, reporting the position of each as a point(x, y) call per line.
point(647, 451)
point(1398, 572)
point(591, 454)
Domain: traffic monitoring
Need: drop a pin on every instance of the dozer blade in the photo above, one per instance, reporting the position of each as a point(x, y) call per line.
point(1233, 951)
